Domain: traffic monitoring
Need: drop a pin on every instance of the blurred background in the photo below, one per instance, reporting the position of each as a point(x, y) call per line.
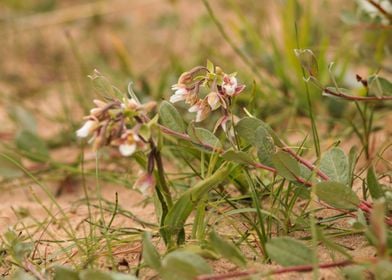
point(49, 47)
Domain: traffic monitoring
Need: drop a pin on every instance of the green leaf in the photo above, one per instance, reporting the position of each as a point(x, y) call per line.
point(65, 273)
point(287, 251)
point(337, 195)
point(355, 272)
point(8, 169)
point(334, 163)
point(178, 214)
point(265, 146)
point(34, 146)
point(308, 61)
point(170, 117)
point(210, 66)
point(286, 165)
point(379, 86)
point(183, 265)
point(374, 187)
point(237, 156)
point(150, 254)
point(227, 250)
point(246, 129)
point(204, 136)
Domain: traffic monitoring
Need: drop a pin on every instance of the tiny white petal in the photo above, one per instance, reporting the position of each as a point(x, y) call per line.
point(229, 89)
point(177, 97)
point(84, 131)
point(127, 150)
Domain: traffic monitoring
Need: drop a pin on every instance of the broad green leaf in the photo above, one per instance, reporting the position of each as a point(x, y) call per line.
point(238, 157)
point(374, 187)
point(337, 195)
point(246, 129)
point(286, 165)
point(178, 214)
point(308, 61)
point(334, 163)
point(23, 118)
point(8, 169)
point(204, 136)
point(226, 249)
point(65, 273)
point(34, 146)
point(265, 146)
point(170, 117)
point(150, 254)
point(379, 86)
point(183, 265)
point(287, 251)
point(355, 272)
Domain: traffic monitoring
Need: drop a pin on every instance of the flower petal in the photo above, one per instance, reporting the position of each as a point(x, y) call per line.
point(85, 130)
point(127, 149)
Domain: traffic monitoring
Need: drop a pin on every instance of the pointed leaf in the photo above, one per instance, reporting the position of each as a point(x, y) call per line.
point(286, 165)
point(287, 251)
point(150, 254)
point(337, 195)
point(170, 117)
point(204, 136)
point(227, 250)
point(183, 265)
point(265, 146)
point(238, 157)
point(374, 187)
point(334, 163)
point(246, 129)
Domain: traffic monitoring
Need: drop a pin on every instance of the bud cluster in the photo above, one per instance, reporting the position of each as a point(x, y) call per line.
point(220, 88)
point(116, 123)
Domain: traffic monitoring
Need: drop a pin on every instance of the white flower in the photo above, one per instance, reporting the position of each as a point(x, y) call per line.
point(144, 183)
point(229, 84)
point(127, 149)
point(85, 130)
point(180, 93)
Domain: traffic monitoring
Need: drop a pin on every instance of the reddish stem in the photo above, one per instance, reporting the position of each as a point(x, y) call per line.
point(298, 268)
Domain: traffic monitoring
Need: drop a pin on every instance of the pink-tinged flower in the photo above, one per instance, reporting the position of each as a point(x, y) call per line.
point(86, 129)
point(180, 93)
point(229, 84)
point(213, 100)
point(203, 112)
point(127, 143)
point(144, 183)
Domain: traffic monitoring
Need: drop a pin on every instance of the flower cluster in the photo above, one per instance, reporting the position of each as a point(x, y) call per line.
point(116, 123)
point(220, 87)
